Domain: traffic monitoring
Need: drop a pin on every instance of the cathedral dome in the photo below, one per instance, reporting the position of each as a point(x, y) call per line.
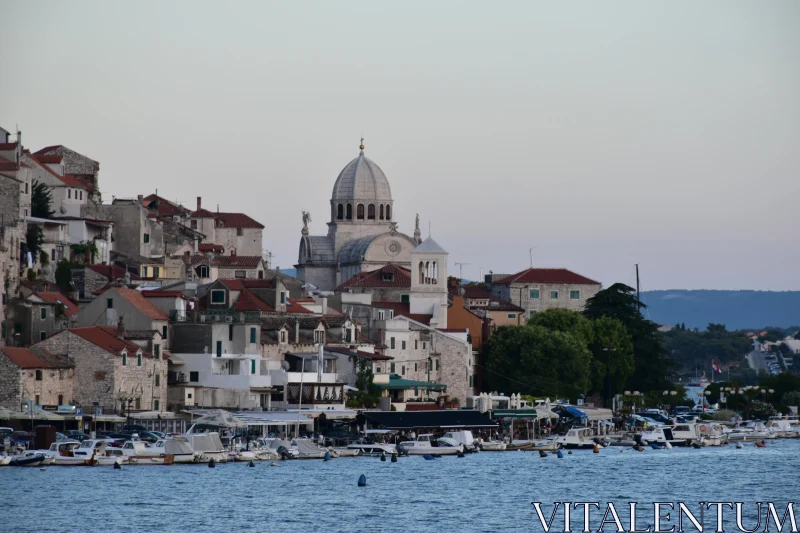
point(362, 179)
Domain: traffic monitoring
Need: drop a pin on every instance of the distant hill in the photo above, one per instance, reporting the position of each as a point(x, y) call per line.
point(735, 309)
point(289, 272)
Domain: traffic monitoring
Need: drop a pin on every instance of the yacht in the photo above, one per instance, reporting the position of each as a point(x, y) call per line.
point(575, 438)
point(424, 445)
point(660, 435)
point(463, 437)
point(754, 431)
point(178, 447)
point(63, 454)
point(97, 448)
point(139, 453)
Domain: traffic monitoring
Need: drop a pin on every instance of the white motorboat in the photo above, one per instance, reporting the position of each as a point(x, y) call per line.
point(97, 449)
point(178, 447)
point(576, 438)
point(63, 454)
point(5, 459)
point(138, 453)
point(661, 435)
point(208, 444)
point(31, 458)
point(754, 431)
point(308, 449)
point(282, 448)
point(463, 437)
point(372, 449)
point(344, 452)
point(424, 445)
point(783, 427)
point(492, 446)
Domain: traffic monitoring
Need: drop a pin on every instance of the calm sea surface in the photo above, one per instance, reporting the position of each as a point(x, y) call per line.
point(481, 492)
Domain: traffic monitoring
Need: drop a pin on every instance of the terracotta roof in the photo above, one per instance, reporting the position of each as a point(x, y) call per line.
point(453, 330)
point(48, 149)
point(403, 309)
point(110, 272)
point(163, 206)
point(224, 261)
point(106, 337)
point(8, 146)
point(58, 298)
point(141, 303)
point(247, 301)
point(52, 159)
point(210, 247)
point(239, 284)
point(470, 291)
point(34, 358)
point(549, 276)
point(66, 179)
point(292, 307)
point(498, 304)
point(8, 165)
point(400, 278)
point(154, 293)
point(228, 220)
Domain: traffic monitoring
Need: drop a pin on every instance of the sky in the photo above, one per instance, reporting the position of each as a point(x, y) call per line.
point(600, 134)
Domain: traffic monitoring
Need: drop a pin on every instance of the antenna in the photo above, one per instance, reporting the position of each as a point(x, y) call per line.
point(461, 269)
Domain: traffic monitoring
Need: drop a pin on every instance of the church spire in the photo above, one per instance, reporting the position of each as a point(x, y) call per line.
point(361, 146)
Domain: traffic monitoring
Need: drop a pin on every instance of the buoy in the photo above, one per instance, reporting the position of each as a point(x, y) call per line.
point(620, 450)
point(327, 456)
point(569, 452)
point(394, 457)
point(383, 457)
point(273, 463)
point(760, 445)
point(596, 449)
point(362, 481)
point(251, 464)
point(560, 454)
point(739, 446)
point(428, 457)
point(696, 445)
point(43, 469)
point(117, 466)
point(542, 453)
point(212, 463)
point(460, 454)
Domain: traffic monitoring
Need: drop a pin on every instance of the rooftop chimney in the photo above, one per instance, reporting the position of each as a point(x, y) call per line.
point(233, 256)
point(199, 202)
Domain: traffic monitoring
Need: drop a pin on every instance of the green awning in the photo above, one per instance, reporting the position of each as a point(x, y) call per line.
point(514, 413)
point(398, 383)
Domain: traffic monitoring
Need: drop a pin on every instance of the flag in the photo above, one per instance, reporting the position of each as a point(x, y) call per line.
point(717, 369)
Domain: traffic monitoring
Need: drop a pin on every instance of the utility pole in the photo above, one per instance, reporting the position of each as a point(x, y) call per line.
point(530, 253)
point(461, 269)
point(638, 298)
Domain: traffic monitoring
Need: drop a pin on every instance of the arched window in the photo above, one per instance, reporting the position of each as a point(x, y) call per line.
point(340, 212)
point(421, 273)
point(388, 212)
point(349, 211)
point(434, 273)
point(371, 212)
point(381, 211)
point(360, 212)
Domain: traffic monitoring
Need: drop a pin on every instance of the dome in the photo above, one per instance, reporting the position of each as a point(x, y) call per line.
point(362, 179)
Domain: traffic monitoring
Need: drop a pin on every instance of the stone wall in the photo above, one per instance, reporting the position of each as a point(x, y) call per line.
point(10, 384)
point(456, 365)
point(55, 382)
point(249, 243)
point(519, 294)
point(28, 315)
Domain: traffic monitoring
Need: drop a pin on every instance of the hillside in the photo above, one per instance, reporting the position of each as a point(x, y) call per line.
point(735, 309)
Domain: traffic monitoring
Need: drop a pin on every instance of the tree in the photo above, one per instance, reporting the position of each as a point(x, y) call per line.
point(612, 353)
point(538, 361)
point(652, 367)
point(34, 239)
point(41, 200)
point(565, 321)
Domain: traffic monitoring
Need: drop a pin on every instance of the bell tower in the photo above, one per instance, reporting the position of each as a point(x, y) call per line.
point(429, 282)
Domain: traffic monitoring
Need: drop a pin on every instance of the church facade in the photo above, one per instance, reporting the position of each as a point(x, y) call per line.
point(362, 234)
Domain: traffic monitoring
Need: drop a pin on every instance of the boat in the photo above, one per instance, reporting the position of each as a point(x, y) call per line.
point(660, 435)
point(424, 445)
point(282, 448)
point(98, 449)
point(576, 439)
point(344, 452)
point(492, 446)
point(308, 449)
point(31, 458)
point(5, 459)
point(208, 444)
point(754, 431)
point(369, 446)
point(463, 437)
point(63, 454)
point(783, 427)
point(178, 447)
point(138, 453)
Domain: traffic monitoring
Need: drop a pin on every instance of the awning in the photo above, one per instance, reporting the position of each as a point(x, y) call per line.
point(398, 383)
point(38, 414)
point(515, 413)
point(109, 418)
point(429, 419)
point(597, 413)
point(574, 412)
point(217, 418)
point(272, 418)
point(157, 415)
point(330, 414)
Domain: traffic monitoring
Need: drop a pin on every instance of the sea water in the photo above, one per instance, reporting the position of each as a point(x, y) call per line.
point(483, 492)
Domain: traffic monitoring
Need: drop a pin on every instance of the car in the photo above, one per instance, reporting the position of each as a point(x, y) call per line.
point(76, 434)
point(660, 418)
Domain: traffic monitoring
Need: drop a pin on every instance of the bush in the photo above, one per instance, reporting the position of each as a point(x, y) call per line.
point(723, 415)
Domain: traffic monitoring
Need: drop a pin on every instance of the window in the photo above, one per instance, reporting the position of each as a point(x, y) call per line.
point(437, 364)
point(124, 359)
point(371, 212)
point(164, 332)
point(470, 381)
point(38, 376)
point(381, 211)
point(60, 399)
point(360, 212)
point(554, 295)
point(340, 212)
point(26, 209)
point(531, 313)
point(239, 232)
point(146, 238)
point(416, 344)
point(139, 359)
point(391, 342)
point(348, 335)
point(388, 212)
point(534, 294)
point(158, 380)
point(156, 272)
point(252, 366)
point(138, 403)
point(156, 405)
point(42, 335)
point(415, 367)
point(574, 295)
point(391, 368)
point(283, 297)
point(194, 224)
point(219, 348)
point(36, 401)
point(217, 296)
point(381, 315)
point(403, 370)
point(283, 336)
point(349, 211)
point(319, 336)
point(404, 298)
point(260, 274)
point(252, 335)
point(240, 274)
point(424, 345)
point(81, 194)
point(377, 370)
point(109, 303)
point(69, 192)
point(230, 332)
point(194, 377)
point(157, 352)
point(512, 315)
point(388, 276)
point(403, 345)
point(26, 189)
point(202, 271)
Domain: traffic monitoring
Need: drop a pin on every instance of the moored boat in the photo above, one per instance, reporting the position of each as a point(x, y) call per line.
point(424, 445)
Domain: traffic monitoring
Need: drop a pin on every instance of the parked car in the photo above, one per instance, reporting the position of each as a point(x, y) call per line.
point(76, 434)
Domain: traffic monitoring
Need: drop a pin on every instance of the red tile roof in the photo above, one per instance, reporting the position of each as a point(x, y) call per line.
point(47, 149)
point(292, 307)
point(453, 330)
point(239, 284)
point(24, 358)
point(547, 275)
point(210, 247)
point(106, 337)
point(401, 278)
point(110, 272)
point(163, 294)
point(58, 298)
point(8, 165)
point(148, 308)
point(8, 146)
point(247, 301)
point(403, 309)
point(66, 179)
point(228, 220)
point(164, 206)
point(471, 291)
point(227, 261)
point(52, 159)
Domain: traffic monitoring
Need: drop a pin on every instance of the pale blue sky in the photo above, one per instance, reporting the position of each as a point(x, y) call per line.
point(603, 134)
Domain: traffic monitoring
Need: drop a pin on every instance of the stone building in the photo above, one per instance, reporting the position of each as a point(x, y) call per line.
point(39, 316)
point(362, 232)
point(89, 280)
point(232, 231)
point(111, 370)
point(79, 167)
point(537, 289)
point(135, 233)
point(35, 374)
point(68, 192)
